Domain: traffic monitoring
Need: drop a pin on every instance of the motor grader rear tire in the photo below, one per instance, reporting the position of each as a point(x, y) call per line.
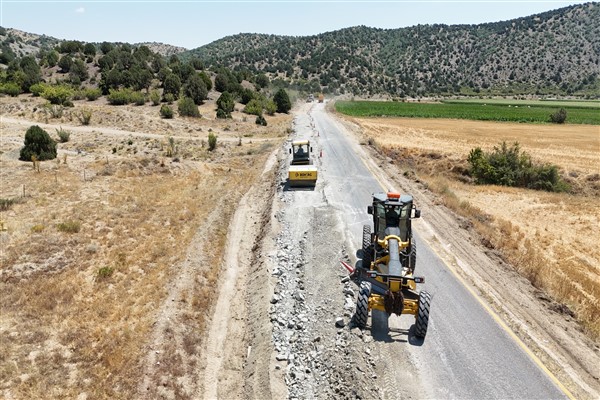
point(423, 314)
point(362, 305)
point(366, 247)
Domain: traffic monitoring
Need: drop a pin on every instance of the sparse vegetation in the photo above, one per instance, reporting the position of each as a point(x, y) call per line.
point(63, 135)
point(84, 116)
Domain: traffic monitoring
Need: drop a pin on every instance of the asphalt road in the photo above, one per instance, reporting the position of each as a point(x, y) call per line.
point(466, 353)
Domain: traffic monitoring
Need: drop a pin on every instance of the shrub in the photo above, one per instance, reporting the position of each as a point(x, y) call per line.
point(69, 226)
point(169, 98)
point(79, 94)
point(222, 114)
point(253, 107)
point(55, 110)
point(138, 98)
point(57, 94)
point(247, 95)
point(39, 144)
point(187, 107)
point(559, 117)
point(195, 88)
point(226, 103)
point(6, 204)
point(270, 107)
point(84, 116)
point(11, 89)
point(105, 272)
point(166, 111)
point(63, 135)
point(37, 89)
point(172, 148)
point(260, 120)
point(38, 228)
point(508, 166)
point(171, 85)
point(282, 100)
point(119, 97)
point(155, 97)
point(212, 141)
point(93, 94)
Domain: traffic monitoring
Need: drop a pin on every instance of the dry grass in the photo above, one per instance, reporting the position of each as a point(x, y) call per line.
point(550, 238)
point(92, 244)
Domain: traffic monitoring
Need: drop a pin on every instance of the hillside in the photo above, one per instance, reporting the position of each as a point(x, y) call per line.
point(18, 44)
point(556, 52)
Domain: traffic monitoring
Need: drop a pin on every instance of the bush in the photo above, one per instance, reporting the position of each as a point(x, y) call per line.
point(11, 89)
point(166, 111)
point(39, 144)
point(6, 204)
point(169, 98)
point(58, 94)
point(195, 88)
point(282, 100)
point(559, 117)
point(93, 94)
point(55, 111)
point(260, 120)
point(187, 107)
point(247, 95)
point(84, 116)
point(270, 107)
point(37, 89)
point(63, 135)
point(155, 97)
point(119, 97)
point(138, 98)
point(253, 107)
point(171, 85)
point(212, 141)
point(105, 272)
point(221, 114)
point(508, 166)
point(69, 226)
point(226, 103)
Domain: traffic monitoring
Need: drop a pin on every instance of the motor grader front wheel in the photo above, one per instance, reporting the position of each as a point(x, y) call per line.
point(362, 305)
point(423, 314)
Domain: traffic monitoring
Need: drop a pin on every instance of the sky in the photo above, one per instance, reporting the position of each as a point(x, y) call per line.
point(194, 23)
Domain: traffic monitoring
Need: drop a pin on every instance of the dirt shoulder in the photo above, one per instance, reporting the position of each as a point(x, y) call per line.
point(555, 338)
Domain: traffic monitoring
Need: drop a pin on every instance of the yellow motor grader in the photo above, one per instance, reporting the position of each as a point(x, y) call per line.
point(386, 274)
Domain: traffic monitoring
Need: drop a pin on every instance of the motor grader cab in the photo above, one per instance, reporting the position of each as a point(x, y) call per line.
point(386, 275)
point(301, 171)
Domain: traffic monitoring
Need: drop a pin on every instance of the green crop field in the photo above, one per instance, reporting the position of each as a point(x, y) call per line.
point(529, 111)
